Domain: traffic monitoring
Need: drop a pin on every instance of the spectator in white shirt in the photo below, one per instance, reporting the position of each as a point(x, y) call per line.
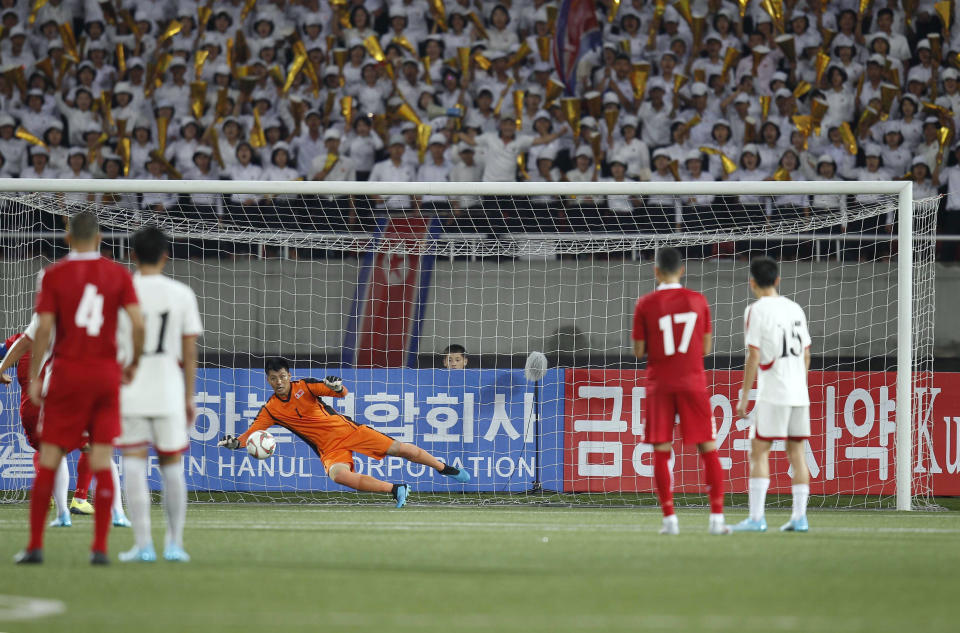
point(435, 168)
point(467, 212)
point(362, 146)
point(334, 166)
point(244, 208)
point(394, 169)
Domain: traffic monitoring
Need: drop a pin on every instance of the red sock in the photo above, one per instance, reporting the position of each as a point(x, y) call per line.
point(102, 510)
point(39, 505)
point(84, 474)
point(36, 463)
point(664, 480)
point(714, 475)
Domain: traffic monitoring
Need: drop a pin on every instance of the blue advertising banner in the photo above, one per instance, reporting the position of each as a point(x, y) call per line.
point(481, 420)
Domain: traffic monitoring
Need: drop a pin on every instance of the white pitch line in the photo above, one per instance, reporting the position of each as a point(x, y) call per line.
point(26, 608)
point(599, 622)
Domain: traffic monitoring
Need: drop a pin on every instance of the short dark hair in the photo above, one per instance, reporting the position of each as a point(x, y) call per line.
point(275, 364)
point(149, 244)
point(764, 271)
point(84, 226)
point(669, 260)
point(454, 349)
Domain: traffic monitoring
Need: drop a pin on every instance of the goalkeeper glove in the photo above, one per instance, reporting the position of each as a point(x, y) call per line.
point(335, 383)
point(229, 441)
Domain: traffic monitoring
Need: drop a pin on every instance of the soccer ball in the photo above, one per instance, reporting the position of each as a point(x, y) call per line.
point(261, 444)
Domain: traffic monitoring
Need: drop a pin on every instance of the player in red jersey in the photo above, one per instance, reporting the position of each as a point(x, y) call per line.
point(80, 296)
point(672, 327)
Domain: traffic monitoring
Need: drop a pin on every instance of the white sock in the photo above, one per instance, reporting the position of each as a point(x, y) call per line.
point(716, 518)
point(758, 496)
point(174, 501)
point(138, 499)
point(801, 493)
point(117, 497)
point(61, 481)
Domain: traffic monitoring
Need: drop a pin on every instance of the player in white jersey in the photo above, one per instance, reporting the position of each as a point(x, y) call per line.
point(778, 356)
point(158, 406)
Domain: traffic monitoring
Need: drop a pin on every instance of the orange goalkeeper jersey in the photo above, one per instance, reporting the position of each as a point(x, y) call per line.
point(306, 415)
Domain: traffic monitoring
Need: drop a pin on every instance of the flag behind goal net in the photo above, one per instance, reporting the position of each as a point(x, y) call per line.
point(375, 288)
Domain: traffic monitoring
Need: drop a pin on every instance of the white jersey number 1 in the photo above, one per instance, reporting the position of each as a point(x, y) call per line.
point(689, 320)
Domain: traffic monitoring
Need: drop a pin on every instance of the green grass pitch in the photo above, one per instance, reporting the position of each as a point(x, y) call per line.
point(286, 567)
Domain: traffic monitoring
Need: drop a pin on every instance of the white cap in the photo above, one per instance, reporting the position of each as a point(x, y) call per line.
point(588, 121)
point(920, 160)
point(782, 92)
point(872, 149)
point(661, 152)
point(609, 97)
point(693, 154)
point(877, 58)
point(548, 154)
point(629, 119)
point(950, 73)
point(437, 139)
point(698, 89)
point(584, 151)
point(924, 43)
point(396, 139)
point(331, 134)
point(742, 98)
point(826, 158)
point(750, 148)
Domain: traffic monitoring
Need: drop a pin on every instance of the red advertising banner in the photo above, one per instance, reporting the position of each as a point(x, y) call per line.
point(851, 450)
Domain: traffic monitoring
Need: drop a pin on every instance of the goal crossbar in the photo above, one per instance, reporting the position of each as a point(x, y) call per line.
point(346, 188)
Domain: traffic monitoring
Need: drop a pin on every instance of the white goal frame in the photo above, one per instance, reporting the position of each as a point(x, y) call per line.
point(903, 189)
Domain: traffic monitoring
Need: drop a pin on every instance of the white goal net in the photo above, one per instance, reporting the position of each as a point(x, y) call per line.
point(374, 281)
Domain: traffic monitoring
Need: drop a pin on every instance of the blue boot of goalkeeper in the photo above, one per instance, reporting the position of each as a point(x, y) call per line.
point(749, 525)
point(458, 474)
point(796, 525)
point(400, 492)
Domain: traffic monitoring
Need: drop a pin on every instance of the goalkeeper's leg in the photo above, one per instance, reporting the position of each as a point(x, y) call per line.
point(417, 455)
point(342, 474)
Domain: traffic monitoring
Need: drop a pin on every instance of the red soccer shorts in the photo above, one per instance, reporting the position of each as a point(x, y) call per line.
point(30, 420)
point(693, 407)
point(83, 397)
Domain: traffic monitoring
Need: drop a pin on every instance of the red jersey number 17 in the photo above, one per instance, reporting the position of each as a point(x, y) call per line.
point(90, 311)
point(667, 321)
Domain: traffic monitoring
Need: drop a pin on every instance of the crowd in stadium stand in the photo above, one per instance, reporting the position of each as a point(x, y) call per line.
point(462, 90)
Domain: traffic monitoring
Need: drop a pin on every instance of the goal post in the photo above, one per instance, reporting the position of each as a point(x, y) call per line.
point(498, 280)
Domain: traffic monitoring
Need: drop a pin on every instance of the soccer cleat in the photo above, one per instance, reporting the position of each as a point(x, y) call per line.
point(796, 525)
point(99, 558)
point(749, 525)
point(121, 520)
point(719, 528)
point(62, 521)
point(175, 554)
point(671, 526)
point(29, 557)
point(80, 506)
point(462, 476)
point(138, 555)
point(402, 491)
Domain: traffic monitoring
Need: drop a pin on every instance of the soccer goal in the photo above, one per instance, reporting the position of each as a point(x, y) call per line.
point(375, 281)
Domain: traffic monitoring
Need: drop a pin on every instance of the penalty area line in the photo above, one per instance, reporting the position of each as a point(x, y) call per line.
point(13, 608)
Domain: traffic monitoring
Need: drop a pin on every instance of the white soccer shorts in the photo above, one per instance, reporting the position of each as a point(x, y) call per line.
point(779, 422)
point(167, 434)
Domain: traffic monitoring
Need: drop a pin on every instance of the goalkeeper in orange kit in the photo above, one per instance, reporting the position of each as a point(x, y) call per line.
point(334, 437)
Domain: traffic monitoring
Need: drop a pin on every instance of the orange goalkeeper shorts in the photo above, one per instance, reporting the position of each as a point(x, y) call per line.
point(362, 440)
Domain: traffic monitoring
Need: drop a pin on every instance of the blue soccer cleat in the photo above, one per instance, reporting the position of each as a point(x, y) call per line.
point(462, 476)
point(749, 525)
point(796, 525)
point(175, 554)
point(139, 555)
point(121, 520)
point(62, 521)
point(401, 495)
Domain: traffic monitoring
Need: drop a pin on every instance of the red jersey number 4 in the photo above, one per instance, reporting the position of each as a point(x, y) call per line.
point(89, 314)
